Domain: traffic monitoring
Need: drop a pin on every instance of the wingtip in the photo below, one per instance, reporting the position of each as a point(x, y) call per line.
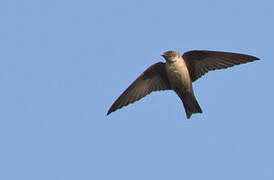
point(111, 110)
point(255, 58)
point(108, 112)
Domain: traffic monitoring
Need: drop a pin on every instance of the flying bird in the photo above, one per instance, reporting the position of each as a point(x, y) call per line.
point(177, 74)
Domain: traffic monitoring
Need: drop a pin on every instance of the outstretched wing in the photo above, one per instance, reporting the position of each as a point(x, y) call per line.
point(153, 79)
point(200, 62)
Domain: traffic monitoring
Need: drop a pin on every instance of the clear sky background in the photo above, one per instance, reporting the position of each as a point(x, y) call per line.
point(63, 63)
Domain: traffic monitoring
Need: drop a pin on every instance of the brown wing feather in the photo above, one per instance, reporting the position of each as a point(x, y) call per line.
point(153, 79)
point(200, 62)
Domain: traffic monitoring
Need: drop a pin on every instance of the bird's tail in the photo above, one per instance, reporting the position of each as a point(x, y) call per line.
point(190, 103)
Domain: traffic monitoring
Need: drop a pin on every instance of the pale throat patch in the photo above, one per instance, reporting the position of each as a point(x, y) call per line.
point(178, 73)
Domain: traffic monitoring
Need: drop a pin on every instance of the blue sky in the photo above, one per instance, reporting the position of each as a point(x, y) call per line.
point(63, 63)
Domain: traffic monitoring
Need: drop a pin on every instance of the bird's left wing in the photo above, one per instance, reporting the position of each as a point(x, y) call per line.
point(153, 79)
point(200, 62)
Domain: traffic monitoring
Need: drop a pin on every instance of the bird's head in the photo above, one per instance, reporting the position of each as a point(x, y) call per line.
point(171, 56)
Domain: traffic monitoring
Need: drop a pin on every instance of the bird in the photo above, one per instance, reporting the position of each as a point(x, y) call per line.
point(177, 74)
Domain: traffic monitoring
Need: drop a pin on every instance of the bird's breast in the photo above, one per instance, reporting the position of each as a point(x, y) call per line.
point(178, 74)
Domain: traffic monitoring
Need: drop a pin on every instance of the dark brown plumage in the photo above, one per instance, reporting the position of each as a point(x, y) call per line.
point(152, 79)
point(157, 77)
point(200, 62)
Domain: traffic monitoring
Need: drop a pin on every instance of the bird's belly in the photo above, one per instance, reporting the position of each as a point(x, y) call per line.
point(178, 76)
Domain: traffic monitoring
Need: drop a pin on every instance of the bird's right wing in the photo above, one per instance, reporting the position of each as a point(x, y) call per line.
point(153, 79)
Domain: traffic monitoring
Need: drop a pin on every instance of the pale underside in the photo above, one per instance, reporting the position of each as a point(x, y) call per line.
point(158, 77)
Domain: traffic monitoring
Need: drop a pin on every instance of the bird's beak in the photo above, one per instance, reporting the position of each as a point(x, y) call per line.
point(163, 55)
